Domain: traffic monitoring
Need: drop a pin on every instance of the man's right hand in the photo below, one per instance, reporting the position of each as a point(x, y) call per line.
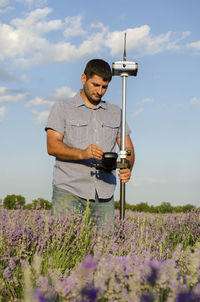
point(93, 151)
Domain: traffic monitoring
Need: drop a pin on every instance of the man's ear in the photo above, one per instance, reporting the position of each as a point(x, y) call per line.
point(83, 78)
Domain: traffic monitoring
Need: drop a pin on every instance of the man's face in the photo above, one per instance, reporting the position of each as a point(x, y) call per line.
point(94, 88)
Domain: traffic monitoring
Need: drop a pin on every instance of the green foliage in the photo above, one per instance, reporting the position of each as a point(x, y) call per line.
point(12, 202)
point(41, 203)
point(142, 207)
point(164, 208)
point(117, 205)
point(73, 245)
point(188, 208)
point(28, 206)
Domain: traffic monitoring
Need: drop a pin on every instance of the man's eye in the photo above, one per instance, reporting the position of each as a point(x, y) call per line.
point(97, 85)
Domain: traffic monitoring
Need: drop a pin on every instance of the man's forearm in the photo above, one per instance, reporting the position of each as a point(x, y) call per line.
point(64, 152)
point(129, 147)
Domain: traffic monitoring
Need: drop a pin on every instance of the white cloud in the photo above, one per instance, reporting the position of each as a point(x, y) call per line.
point(194, 101)
point(35, 23)
point(4, 10)
point(149, 181)
point(142, 41)
point(6, 7)
point(3, 90)
point(135, 36)
point(64, 51)
point(143, 102)
point(13, 98)
point(139, 111)
point(31, 3)
point(41, 117)
point(2, 112)
point(37, 101)
point(74, 26)
point(25, 40)
point(146, 101)
point(23, 37)
point(63, 93)
point(194, 45)
point(4, 3)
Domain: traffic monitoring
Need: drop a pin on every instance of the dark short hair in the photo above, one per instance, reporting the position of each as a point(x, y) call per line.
point(98, 67)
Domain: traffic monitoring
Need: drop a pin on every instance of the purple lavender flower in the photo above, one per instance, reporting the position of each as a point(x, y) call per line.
point(89, 293)
point(187, 297)
point(147, 298)
point(7, 274)
point(39, 296)
point(88, 263)
point(153, 276)
point(23, 263)
point(120, 268)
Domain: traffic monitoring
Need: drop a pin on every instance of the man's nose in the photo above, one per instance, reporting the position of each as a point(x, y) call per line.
point(100, 90)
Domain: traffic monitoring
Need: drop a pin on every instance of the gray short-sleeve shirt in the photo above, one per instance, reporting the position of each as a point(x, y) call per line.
point(81, 126)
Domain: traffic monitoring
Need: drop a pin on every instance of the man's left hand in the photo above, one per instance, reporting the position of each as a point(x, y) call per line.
point(124, 175)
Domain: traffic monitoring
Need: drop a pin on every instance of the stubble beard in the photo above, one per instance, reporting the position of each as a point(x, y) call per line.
point(90, 99)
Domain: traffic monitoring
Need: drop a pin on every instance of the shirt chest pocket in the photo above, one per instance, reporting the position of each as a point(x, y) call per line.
point(76, 133)
point(110, 132)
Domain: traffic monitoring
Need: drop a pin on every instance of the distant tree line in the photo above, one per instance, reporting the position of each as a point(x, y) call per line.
point(13, 202)
point(165, 207)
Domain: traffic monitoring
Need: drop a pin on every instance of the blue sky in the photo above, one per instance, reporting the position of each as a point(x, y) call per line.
point(44, 46)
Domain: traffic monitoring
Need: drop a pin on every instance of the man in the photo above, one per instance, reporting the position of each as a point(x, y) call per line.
point(79, 130)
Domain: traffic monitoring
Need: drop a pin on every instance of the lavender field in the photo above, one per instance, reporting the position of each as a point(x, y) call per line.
point(152, 257)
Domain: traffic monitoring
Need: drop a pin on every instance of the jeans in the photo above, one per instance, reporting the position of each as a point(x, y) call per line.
point(101, 210)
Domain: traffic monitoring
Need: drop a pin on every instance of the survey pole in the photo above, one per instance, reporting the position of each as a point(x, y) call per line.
point(124, 69)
